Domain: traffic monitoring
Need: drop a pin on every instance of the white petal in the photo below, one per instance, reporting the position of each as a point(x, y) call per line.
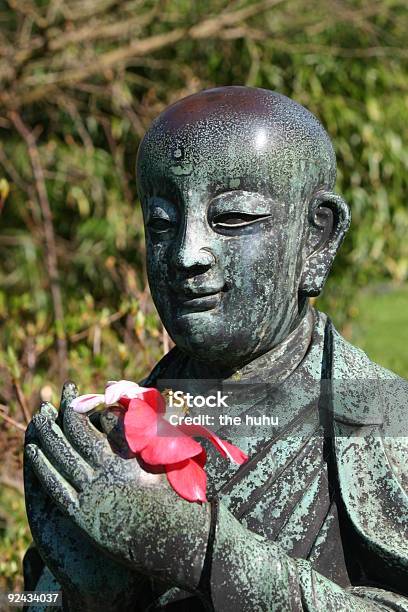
point(122, 388)
point(85, 403)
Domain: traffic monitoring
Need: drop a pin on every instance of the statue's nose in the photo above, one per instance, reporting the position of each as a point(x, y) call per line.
point(193, 257)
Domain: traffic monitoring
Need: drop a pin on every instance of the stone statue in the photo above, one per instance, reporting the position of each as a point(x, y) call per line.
point(242, 227)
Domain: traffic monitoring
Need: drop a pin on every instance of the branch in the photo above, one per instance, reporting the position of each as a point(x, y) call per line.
point(12, 172)
point(50, 247)
point(85, 332)
point(11, 421)
point(71, 108)
point(102, 62)
point(81, 11)
point(210, 27)
point(21, 401)
point(25, 8)
point(44, 85)
point(115, 30)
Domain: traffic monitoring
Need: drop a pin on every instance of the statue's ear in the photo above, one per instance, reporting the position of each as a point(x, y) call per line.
point(329, 220)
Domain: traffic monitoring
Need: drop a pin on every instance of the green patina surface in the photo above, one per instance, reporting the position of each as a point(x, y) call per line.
point(231, 296)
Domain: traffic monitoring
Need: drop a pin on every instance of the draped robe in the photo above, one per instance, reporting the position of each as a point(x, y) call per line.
point(318, 516)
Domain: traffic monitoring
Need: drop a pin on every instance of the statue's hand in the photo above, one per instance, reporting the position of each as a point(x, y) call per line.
point(90, 579)
point(132, 515)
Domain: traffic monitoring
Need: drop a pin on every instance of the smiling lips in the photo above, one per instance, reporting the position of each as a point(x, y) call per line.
point(200, 301)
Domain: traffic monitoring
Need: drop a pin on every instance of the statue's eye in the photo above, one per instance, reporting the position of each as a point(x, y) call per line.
point(158, 225)
point(231, 220)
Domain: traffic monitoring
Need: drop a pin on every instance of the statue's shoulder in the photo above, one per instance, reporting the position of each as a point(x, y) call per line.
point(364, 391)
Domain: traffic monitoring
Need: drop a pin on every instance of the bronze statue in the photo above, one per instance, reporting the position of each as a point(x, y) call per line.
point(242, 227)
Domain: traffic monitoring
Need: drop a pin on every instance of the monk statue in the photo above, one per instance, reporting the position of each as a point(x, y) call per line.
point(242, 227)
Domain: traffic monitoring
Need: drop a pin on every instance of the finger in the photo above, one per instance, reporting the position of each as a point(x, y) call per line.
point(30, 434)
point(60, 453)
point(69, 392)
point(85, 438)
point(35, 497)
point(54, 485)
point(48, 410)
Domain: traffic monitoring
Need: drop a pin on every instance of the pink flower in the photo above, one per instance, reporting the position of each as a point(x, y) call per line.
point(172, 446)
point(157, 442)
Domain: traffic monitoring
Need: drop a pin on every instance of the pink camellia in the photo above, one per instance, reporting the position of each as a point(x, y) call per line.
point(156, 441)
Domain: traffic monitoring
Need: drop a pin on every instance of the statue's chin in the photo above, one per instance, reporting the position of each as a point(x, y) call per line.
point(214, 348)
point(219, 340)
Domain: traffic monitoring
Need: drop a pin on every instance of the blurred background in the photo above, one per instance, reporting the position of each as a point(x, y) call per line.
point(81, 80)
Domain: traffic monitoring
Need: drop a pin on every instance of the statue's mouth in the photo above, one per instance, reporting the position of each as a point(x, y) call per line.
point(199, 303)
point(196, 299)
point(189, 297)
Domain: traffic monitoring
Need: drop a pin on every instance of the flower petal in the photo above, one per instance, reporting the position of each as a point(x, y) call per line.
point(153, 397)
point(228, 450)
point(189, 479)
point(115, 390)
point(84, 403)
point(169, 446)
point(140, 424)
point(138, 443)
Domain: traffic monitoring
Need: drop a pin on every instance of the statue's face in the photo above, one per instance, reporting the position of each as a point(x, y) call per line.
point(223, 261)
point(225, 215)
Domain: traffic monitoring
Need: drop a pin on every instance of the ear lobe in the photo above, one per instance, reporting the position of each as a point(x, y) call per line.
point(331, 216)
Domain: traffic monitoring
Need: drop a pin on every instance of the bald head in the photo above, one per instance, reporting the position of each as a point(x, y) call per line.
point(241, 223)
point(239, 135)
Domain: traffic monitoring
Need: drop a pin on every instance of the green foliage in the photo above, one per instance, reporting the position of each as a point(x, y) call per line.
point(14, 538)
point(86, 78)
point(380, 326)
